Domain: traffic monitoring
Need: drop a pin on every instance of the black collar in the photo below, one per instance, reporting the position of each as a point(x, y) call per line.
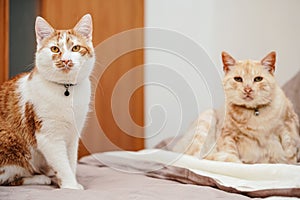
point(66, 85)
point(255, 110)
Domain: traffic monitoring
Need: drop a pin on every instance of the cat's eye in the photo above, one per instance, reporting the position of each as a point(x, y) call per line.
point(258, 79)
point(75, 48)
point(54, 49)
point(238, 79)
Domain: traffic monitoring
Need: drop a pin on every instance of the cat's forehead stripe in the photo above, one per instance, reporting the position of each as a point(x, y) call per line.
point(249, 67)
point(65, 39)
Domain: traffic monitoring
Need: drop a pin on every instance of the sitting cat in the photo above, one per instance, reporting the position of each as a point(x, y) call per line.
point(42, 112)
point(259, 126)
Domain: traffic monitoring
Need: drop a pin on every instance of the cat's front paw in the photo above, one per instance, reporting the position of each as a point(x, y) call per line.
point(80, 187)
point(225, 157)
point(76, 186)
point(232, 158)
point(291, 152)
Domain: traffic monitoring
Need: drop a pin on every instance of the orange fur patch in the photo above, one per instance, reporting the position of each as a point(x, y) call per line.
point(17, 130)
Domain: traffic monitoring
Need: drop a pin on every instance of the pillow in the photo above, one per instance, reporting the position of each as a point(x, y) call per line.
point(292, 91)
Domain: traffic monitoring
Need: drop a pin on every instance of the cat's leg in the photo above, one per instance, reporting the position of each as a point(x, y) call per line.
point(36, 180)
point(11, 173)
point(32, 180)
point(79, 120)
point(14, 175)
point(56, 155)
point(73, 153)
point(73, 156)
point(290, 139)
point(226, 149)
point(223, 156)
point(72, 146)
point(290, 148)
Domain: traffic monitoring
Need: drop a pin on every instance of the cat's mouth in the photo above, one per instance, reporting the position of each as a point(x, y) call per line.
point(65, 65)
point(65, 69)
point(248, 97)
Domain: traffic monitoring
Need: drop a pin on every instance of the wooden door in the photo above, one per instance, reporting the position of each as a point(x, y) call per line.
point(109, 18)
point(4, 36)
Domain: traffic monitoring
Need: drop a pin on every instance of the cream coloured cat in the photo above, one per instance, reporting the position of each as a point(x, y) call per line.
point(260, 125)
point(42, 112)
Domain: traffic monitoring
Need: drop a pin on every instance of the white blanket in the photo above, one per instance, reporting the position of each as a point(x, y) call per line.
point(244, 177)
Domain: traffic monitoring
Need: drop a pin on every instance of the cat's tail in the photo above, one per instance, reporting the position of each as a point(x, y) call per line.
point(200, 137)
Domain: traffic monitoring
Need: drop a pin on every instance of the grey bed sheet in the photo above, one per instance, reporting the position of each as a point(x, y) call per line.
point(102, 182)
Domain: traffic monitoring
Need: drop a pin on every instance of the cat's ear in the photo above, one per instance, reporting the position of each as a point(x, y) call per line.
point(269, 62)
point(42, 29)
point(85, 26)
point(228, 61)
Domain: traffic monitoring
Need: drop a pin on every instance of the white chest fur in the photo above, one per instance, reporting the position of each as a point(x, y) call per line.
point(61, 115)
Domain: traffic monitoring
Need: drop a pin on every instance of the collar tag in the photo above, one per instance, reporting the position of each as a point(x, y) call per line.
point(256, 112)
point(67, 93)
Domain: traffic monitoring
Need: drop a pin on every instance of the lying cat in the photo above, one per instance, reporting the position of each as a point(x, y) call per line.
point(259, 126)
point(42, 112)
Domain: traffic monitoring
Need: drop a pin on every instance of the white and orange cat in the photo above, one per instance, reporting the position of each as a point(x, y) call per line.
point(42, 112)
point(259, 126)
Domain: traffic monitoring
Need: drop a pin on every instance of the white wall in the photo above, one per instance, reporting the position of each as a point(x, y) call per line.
point(244, 28)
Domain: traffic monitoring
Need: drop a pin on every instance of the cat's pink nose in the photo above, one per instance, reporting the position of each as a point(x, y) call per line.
point(248, 89)
point(66, 62)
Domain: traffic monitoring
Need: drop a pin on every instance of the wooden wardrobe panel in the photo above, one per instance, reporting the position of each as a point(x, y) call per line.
point(4, 39)
point(109, 18)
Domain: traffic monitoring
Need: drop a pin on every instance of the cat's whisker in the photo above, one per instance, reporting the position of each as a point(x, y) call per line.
point(30, 66)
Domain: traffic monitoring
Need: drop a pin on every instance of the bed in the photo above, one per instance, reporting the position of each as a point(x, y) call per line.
point(162, 174)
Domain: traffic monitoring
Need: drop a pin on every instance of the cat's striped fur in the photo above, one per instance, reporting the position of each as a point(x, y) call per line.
point(260, 125)
point(39, 124)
